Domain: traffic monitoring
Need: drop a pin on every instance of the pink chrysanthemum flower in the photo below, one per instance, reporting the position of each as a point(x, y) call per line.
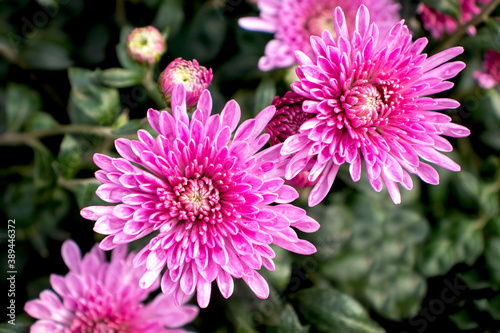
point(293, 21)
point(214, 203)
point(490, 75)
point(102, 296)
point(367, 96)
point(190, 74)
point(146, 45)
point(438, 23)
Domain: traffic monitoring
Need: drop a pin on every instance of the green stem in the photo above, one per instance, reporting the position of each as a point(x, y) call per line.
point(152, 88)
point(462, 29)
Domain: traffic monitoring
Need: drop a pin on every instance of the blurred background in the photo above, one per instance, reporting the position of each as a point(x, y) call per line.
point(68, 90)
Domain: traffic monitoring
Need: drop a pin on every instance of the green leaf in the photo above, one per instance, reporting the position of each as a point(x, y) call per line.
point(120, 78)
point(44, 175)
point(407, 225)
point(20, 102)
point(494, 26)
point(241, 318)
point(131, 127)
point(266, 91)
point(329, 310)
point(206, 34)
point(438, 257)
point(463, 320)
point(290, 323)
point(467, 186)
point(395, 292)
point(489, 199)
point(85, 193)
point(169, 15)
point(473, 280)
point(69, 157)
point(280, 277)
point(45, 55)
point(491, 306)
point(81, 77)
point(448, 7)
point(19, 203)
point(93, 105)
point(349, 266)
point(39, 121)
point(22, 325)
point(468, 241)
point(492, 256)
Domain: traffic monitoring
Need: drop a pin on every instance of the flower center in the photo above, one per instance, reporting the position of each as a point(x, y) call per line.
point(185, 76)
point(362, 105)
point(99, 316)
point(320, 21)
point(192, 199)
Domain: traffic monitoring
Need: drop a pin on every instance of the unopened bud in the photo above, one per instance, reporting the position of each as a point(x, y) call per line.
point(194, 77)
point(146, 45)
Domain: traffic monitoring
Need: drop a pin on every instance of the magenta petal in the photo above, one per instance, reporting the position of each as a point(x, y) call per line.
point(258, 285)
point(230, 115)
point(324, 184)
point(37, 309)
point(306, 224)
point(203, 290)
point(428, 173)
point(225, 283)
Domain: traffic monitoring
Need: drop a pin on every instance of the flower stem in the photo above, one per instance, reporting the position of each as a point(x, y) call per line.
point(462, 28)
point(152, 88)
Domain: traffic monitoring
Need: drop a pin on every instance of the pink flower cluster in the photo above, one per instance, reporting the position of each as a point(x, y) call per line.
point(213, 198)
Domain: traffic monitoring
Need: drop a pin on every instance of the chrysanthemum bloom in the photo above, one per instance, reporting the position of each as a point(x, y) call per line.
point(490, 75)
point(146, 45)
point(102, 296)
point(207, 194)
point(438, 23)
point(293, 21)
point(366, 93)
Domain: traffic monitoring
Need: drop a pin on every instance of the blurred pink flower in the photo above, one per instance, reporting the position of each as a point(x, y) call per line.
point(366, 92)
point(438, 23)
point(293, 22)
point(190, 74)
point(102, 296)
point(146, 45)
point(490, 75)
point(215, 202)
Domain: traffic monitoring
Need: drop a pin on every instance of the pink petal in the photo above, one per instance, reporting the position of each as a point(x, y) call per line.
point(258, 285)
point(203, 290)
point(324, 184)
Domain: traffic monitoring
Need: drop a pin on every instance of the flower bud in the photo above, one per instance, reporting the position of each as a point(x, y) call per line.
point(146, 45)
point(288, 117)
point(286, 122)
point(194, 77)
